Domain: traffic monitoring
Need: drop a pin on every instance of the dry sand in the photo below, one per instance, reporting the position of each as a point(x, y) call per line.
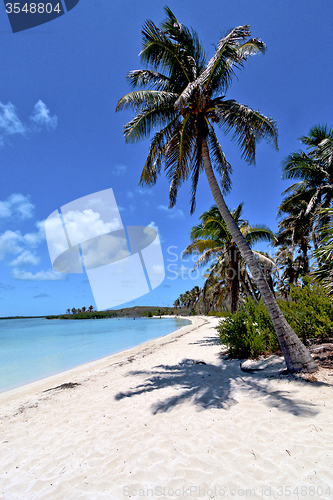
point(152, 422)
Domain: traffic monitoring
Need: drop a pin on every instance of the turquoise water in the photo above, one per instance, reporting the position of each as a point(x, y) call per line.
point(32, 349)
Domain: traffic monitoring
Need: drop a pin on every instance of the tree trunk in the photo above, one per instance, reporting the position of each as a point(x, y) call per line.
point(296, 355)
point(233, 278)
point(250, 293)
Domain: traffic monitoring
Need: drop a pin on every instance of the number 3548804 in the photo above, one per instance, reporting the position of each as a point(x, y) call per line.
point(32, 8)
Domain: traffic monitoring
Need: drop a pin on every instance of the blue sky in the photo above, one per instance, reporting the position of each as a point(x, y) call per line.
point(60, 138)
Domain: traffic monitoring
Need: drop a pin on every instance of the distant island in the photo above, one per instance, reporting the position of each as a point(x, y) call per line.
point(129, 312)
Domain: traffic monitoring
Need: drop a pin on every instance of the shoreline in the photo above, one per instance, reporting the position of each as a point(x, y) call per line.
point(173, 416)
point(59, 378)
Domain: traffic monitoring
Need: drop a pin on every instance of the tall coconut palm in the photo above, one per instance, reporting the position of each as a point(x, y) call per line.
point(186, 98)
point(314, 172)
point(211, 240)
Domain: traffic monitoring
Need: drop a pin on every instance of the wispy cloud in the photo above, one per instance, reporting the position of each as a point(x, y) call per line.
point(119, 169)
point(10, 243)
point(17, 205)
point(13, 242)
point(144, 192)
point(6, 287)
point(41, 295)
point(172, 213)
point(11, 124)
point(26, 258)
point(42, 117)
point(49, 275)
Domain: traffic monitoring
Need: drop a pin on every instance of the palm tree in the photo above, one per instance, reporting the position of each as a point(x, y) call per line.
point(295, 230)
point(91, 308)
point(186, 98)
point(314, 172)
point(176, 303)
point(211, 239)
point(324, 254)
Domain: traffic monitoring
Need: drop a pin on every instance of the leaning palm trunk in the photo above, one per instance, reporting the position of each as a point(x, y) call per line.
point(296, 355)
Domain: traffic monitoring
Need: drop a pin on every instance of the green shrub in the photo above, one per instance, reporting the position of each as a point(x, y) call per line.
point(248, 332)
point(310, 312)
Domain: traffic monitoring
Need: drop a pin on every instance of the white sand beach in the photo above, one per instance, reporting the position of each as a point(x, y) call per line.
point(169, 419)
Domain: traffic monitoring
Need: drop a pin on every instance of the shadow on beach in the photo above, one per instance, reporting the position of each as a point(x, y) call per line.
point(209, 386)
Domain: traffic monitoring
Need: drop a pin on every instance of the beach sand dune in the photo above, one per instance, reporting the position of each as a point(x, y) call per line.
point(169, 419)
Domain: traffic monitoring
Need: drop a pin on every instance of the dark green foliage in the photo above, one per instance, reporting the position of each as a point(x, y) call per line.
point(310, 312)
point(248, 332)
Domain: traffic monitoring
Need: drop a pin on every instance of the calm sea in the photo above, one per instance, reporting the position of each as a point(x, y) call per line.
point(32, 349)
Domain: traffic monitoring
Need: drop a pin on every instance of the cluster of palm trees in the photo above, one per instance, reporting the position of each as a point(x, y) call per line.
point(180, 97)
point(189, 299)
point(83, 309)
point(305, 228)
point(304, 241)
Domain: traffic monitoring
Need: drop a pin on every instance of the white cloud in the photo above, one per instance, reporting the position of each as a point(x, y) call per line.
point(82, 226)
point(11, 124)
point(49, 275)
point(16, 204)
point(144, 191)
point(33, 239)
point(26, 258)
point(41, 116)
point(153, 225)
point(130, 194)
point(104, 250)
point(13, 242)
point(10, 243)
point(173, 213)
point(120, 169)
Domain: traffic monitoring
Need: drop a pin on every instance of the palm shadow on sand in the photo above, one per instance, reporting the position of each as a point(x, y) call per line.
point(211, 386)
point(206, 385)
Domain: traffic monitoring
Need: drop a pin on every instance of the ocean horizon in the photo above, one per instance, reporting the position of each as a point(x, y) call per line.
point(32, 349)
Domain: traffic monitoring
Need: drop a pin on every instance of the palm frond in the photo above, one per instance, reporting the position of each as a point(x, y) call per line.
point(219, 69)
point(159, 51)
point(220, 163)
point(246, 127)
point(152, 79)
point(145, 121)
point(156, 153)
point(146, 98)
point(266, 261)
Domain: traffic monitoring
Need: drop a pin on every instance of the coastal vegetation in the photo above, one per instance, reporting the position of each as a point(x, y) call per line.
point(301, 276)
point(126, 312)
point(184, 96)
